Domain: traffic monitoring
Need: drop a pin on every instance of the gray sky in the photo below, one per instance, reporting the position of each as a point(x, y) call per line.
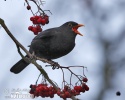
point(103, 19)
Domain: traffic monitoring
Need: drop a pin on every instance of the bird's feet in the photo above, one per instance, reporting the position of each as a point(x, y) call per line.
point(53, 64)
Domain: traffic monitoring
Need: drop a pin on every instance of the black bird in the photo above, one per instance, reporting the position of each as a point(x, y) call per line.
point(51, 44)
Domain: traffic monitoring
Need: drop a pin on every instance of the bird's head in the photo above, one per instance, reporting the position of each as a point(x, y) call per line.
point(73, 26)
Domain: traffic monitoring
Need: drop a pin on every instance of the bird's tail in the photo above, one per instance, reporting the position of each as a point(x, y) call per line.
point(19, 66)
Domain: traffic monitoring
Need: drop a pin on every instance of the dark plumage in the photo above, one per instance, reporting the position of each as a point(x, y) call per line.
point(51, 44)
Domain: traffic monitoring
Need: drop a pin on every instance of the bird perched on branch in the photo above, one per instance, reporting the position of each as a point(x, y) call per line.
point(51, 44)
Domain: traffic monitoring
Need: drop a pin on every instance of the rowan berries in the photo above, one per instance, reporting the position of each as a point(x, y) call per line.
point(38, 21)
point(28, 7)
point(42, 90)
point(85, 79)
point(30, 28)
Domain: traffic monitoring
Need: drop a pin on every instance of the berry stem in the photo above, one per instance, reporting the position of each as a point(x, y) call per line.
point(38, 78)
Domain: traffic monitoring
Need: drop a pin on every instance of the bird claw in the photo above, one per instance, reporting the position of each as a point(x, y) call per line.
point(54, 65)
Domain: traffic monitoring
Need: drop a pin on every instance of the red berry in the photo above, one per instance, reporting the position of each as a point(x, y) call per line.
point(31, 18)
point(30, 28)
point(43, 21)
point(46, 17)
point(46, 89)
point(50, 88)
point(86, 88)
point(75, 88)
point(38, 85)
point(39, 20)
point(54, 91)
point(58, 93)
point(42, 84)
point(36, 93)
point(73, 91)
point(79, 88)
point(35, 22)
point(64, 90)
point(83, 85)
point(42, 95)
point(63, 96)
point(33, 86)
point(35, 30)
point(85, 79)
point(31, 91)
point(51, 96)
point(28, 7)
point(36, 17)
point(46, 94)
point(50, 92)
point(67, 94)
point(47, 22)
point(83, 90)
point(77, 93)
point(37, 89)
point(40, 88)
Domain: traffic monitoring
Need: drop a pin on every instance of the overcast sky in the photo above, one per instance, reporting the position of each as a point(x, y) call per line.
point(88, 51)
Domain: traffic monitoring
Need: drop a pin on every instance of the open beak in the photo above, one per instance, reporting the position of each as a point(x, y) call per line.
point(76, 27)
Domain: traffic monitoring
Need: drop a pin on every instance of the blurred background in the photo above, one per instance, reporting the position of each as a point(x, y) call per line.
point(101, 49)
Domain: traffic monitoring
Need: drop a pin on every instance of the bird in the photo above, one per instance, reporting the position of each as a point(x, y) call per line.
point(51, 44)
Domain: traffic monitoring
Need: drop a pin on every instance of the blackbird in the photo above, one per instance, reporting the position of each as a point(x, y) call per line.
point(51, 44)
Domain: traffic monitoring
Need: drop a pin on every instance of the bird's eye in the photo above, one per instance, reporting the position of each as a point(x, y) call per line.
point(70, 25)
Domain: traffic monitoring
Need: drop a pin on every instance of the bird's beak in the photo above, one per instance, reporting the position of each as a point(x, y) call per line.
point(76, 27)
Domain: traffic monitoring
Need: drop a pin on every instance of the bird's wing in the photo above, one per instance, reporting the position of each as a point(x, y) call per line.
point(47, 34)
point(43, 40)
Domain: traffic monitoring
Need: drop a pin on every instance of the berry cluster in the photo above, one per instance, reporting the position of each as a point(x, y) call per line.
point(38, 21)
point(67, 92)
point(35, 29)
point(42, 90)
